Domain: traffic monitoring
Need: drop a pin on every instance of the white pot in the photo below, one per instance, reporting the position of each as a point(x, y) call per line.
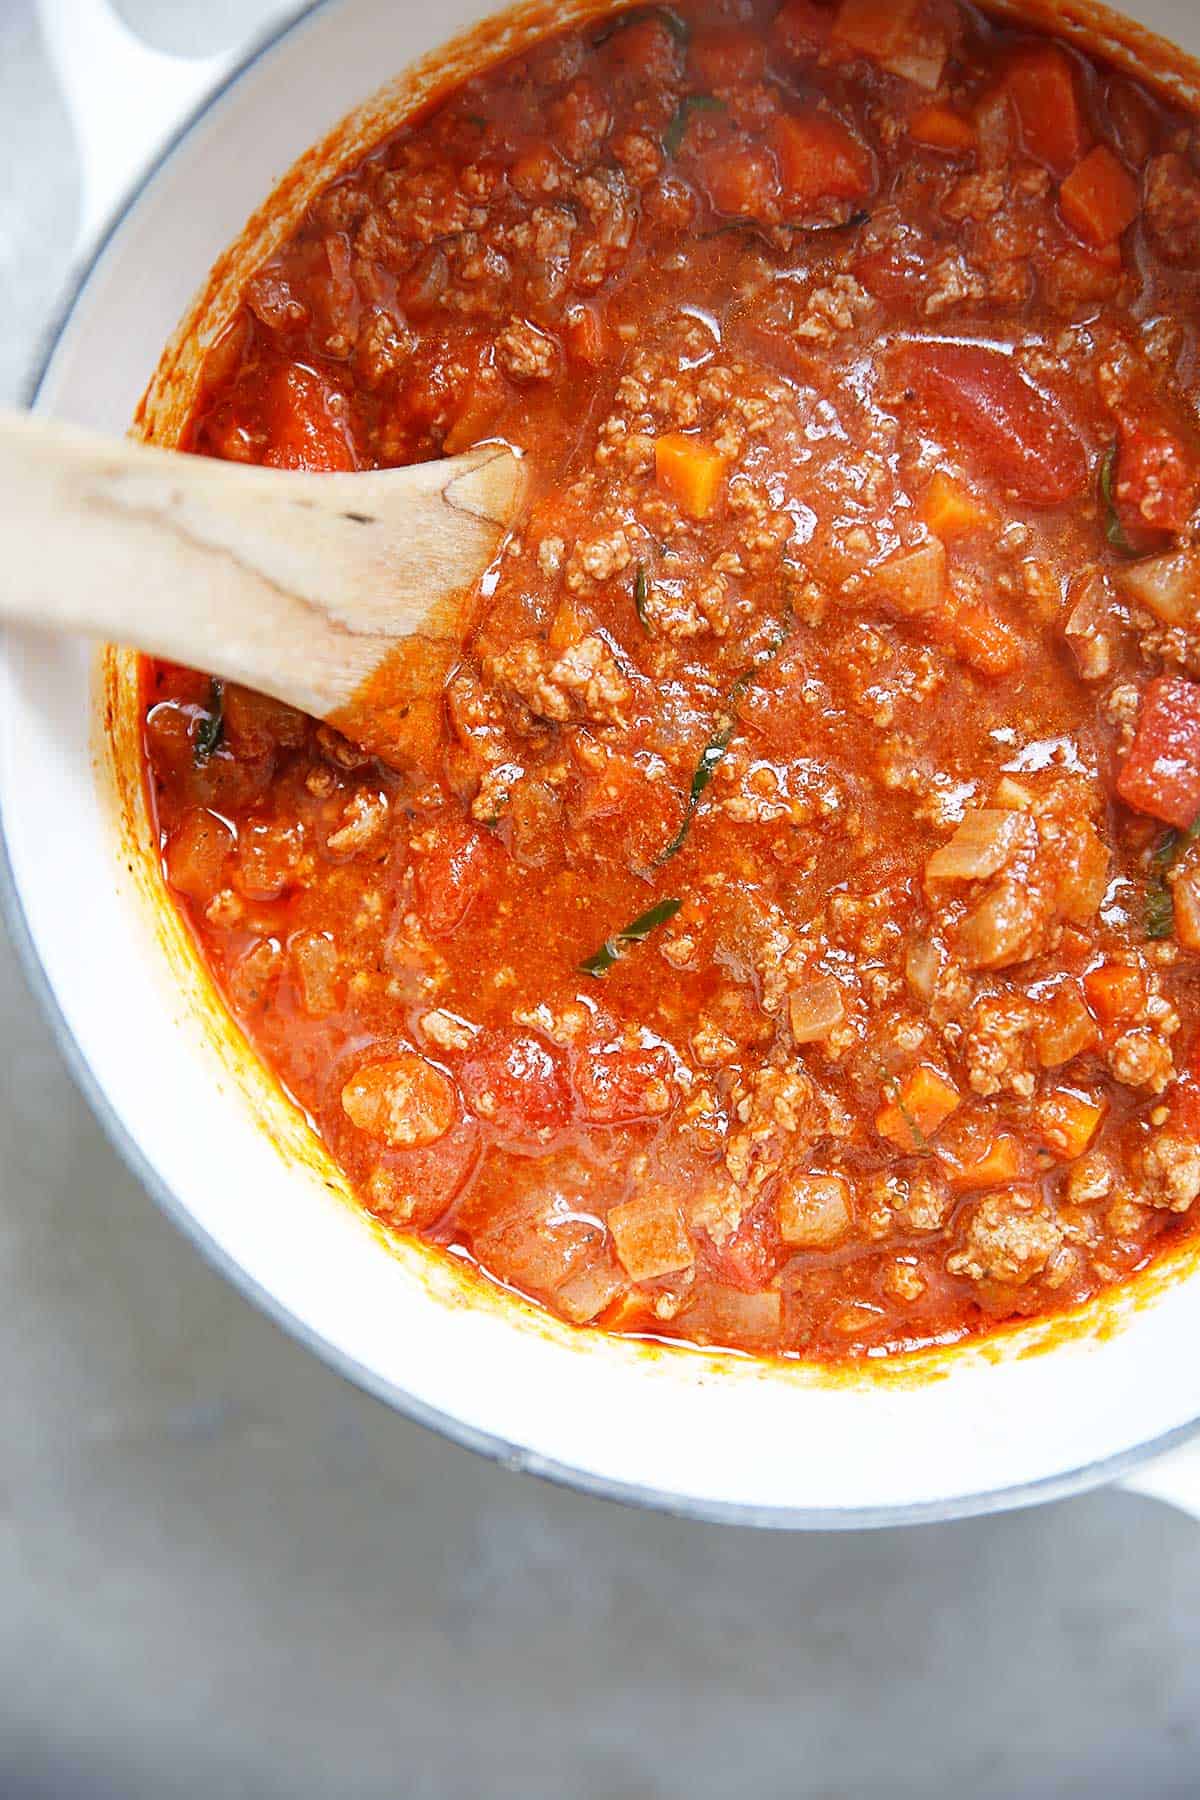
point(984, 1428)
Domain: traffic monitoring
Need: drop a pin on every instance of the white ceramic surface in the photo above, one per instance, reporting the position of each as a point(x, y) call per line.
point(718, 1438)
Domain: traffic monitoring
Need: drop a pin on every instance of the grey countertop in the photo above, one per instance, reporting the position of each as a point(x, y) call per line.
point(222, 1571)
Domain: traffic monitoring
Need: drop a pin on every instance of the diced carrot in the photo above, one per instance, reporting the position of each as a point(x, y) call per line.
point(985, 641)
point(586, 336)
point(1069, 1121)
point(690, 471)
point(950, 509)
point(998, 1165)
point(940, 128)
point(569, 626)
point(1114, 991)
point(924, 1101)
point(820, 158)
point(1041, 85)
point(1099, 198)
point(1017, 433)
point(1161, 773)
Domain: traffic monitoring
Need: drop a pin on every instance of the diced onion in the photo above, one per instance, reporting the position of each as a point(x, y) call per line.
point(1185, 892)
point(921, 966)
point(913, 581)
point(1089, 626)
point(981, 846)
point(815, 1008)
point(1168, 586)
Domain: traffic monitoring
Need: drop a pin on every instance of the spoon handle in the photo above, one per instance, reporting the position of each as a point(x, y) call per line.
point(293, 583)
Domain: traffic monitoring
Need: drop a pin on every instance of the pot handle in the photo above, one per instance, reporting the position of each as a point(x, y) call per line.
point(1173, 1478)
point(125, 100)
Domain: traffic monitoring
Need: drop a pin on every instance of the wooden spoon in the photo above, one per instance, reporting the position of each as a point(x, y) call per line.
point(342, 594)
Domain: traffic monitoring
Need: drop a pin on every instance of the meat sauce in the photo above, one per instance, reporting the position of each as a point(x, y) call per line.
point(783, 931)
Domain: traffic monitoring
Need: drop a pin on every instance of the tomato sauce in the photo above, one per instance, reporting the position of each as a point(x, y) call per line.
point(781, 932)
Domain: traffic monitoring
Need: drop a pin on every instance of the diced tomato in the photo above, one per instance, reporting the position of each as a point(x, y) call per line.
point(481, 401)
point(617, 1084)
point(304, 430)
point(1161, 774)
point(891, 272)
point(451, 871)
point(897, 34)
point(1157, 475)
point(820, 158)
point(1185, 1104)
point(1134, 120)
point(747, 1259)
point(1099, 198)
point(1041, 85)
point(645, 47)
point(723, 57)
point(1015, 431)
point(517, 1084)
point(739, 179)
point(586, 336)
point(802, 27)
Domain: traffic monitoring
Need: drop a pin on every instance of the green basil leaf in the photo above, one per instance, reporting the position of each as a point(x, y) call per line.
point(210, 729)
point(1114, 531)
point(641, 591)
point(691, 103)
point(720, 740)
point(1160, 904)
point(636, 932)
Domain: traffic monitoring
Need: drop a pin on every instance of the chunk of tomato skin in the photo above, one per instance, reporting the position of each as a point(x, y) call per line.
point(452, 868)
point(517, 1084)
point(1183, 1101)
point(1019, 434)
point(820, 158)
point(617, 1085)
point(586, 337)
point(302, 431)
point(1161, 772)
point(1041, 84)
point(740, 180)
